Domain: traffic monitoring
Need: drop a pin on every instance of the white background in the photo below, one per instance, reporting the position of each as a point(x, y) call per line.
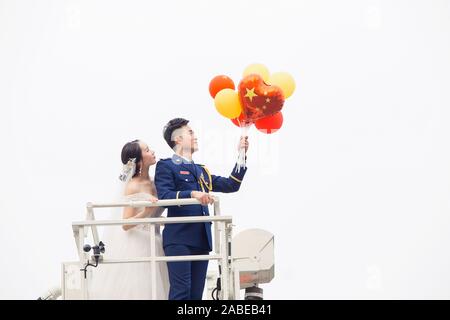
point(355, 186)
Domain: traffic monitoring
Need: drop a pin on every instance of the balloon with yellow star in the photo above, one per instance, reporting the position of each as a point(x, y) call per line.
point(258, 99)
point(262, 97)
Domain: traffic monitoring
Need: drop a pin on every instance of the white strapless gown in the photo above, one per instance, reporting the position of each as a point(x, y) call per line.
point(129, 281)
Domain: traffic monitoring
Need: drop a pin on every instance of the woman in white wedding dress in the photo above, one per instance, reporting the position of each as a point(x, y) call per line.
point(132, 281)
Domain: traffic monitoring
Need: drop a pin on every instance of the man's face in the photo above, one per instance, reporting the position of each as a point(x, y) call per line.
point(186, 139)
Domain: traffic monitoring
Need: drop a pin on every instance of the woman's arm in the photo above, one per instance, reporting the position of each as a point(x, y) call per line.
point(130, 213)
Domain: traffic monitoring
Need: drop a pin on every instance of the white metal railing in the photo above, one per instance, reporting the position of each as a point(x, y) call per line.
point(221, 232)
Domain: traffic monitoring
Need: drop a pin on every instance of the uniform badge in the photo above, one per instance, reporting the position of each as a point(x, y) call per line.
point(184, 172)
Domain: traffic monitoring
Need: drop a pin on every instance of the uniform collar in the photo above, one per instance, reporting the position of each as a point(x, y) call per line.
point(179, 159)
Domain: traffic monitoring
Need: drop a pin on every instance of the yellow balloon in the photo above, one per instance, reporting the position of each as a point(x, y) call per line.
point(258, 69)
point(227, 103)
point(283, 80)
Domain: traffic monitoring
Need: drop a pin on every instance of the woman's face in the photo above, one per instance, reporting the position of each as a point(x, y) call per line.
point(148, 156)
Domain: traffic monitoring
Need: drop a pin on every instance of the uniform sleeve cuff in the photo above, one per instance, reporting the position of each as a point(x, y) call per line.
point(235, 179)
point(184, 194)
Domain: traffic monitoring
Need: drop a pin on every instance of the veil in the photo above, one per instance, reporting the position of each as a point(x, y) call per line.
point(101, 282)
point(128, 170)
point(126, 280)
point(106, 234)
point(127, 173)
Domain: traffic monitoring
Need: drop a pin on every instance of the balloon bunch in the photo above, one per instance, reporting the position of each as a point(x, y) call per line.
point(258, 100)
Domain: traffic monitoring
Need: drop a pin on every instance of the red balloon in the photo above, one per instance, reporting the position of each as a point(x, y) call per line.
point(241, 121)
point(258, 99)
point(219, 83)
point(270, 124)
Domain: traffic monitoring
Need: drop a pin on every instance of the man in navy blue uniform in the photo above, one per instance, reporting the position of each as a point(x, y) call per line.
point(180, 178)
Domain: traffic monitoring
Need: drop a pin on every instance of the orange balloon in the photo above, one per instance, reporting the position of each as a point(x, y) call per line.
point(219, 83)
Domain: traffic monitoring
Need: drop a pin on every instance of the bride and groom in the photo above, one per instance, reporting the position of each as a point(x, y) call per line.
point(177, 177)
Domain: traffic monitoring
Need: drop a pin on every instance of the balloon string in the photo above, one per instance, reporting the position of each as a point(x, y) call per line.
point(241, 159)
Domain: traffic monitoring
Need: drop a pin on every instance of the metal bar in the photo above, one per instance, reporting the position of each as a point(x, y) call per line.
point(228, 236)
point(224, 260)
point(76, 235)
point(153, 262)
point(63, 283)
point(216, 231)
point(91, 216)
point(162, 259)
point(82, 258)
point(152, 220)
point(237, 284)
point(139, 203)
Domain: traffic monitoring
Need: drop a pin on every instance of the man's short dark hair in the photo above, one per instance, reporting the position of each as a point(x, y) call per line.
point(170, 127)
